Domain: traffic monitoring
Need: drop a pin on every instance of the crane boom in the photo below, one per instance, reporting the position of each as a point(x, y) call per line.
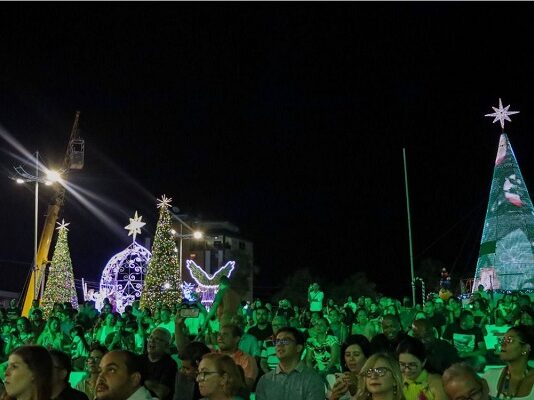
point(71, 161)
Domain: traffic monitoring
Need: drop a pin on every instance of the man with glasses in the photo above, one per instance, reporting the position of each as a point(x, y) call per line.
point(269, 360)
point(291, 380)
point(461, 382)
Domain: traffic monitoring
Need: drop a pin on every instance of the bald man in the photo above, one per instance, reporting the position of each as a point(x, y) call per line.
point(460, 382)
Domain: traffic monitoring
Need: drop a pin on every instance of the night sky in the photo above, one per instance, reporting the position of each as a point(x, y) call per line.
point(287, 119)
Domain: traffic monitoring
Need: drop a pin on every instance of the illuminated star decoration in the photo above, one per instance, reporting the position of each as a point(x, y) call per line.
point(164, 202)
point(62, 225)
point(501, 114)
point(135, 225)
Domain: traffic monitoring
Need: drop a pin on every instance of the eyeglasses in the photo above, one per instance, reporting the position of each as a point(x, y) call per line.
point(473, 395)
point(201, 376)
point(380, 372)
point(282, 342)
point(509, 340)
point(411, 366)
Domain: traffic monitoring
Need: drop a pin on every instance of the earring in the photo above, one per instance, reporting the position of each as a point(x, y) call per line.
point(394, 390)
point(524, 353)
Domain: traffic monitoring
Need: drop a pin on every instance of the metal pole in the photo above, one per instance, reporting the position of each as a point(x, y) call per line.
point(36, 221)
point(181, 257)
point(409, 226)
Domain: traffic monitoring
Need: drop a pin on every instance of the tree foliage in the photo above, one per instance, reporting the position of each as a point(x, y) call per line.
point(60, 284)
point(162, 284)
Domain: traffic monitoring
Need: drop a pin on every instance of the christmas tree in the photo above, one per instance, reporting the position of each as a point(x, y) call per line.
point(162, 281)
point(60, 284)
point(506, 258)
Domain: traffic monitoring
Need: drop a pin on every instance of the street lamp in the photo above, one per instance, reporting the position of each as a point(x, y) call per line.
point(195, 234)
point(24, 177)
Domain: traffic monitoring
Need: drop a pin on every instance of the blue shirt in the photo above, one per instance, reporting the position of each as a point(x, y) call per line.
point(303, 383)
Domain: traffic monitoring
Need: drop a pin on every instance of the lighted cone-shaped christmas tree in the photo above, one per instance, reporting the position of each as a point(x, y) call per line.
point(506, 258)
point(59, 287)
point(162, 281)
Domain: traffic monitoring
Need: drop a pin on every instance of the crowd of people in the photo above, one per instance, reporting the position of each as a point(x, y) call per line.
point(381, 349)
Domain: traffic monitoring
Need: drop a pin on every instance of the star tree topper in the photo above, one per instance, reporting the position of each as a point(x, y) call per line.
point(62, 225)
point(501, 114)
point(164, 202)
point(135, 225)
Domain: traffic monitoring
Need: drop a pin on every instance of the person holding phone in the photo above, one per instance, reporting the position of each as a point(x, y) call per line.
point(354, 353)
point(194, 315)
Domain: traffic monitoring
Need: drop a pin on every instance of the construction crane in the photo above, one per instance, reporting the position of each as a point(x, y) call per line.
point(74, 160)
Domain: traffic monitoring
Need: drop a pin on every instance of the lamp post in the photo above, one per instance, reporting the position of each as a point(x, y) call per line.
point(195, 234)
point(24, 177)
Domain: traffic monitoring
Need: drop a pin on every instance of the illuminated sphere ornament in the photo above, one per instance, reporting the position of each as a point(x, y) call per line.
point(123, 277)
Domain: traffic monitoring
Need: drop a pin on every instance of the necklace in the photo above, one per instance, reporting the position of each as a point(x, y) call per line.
point(505, 385)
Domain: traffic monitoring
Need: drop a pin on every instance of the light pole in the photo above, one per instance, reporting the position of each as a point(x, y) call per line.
point(25, 177)
point(195, 234)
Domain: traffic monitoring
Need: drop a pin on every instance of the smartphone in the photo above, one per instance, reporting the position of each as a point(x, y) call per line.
point(189, 312)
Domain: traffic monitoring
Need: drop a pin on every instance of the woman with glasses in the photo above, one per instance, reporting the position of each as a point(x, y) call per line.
point(92, 368)
point(418, 383)
point(516, 379)
point(28, 374)
point(380, 379)
point(354, 353)
point(220, 378)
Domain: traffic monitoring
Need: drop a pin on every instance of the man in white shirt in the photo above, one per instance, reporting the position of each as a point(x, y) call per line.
point(315, 297)
point(121, 377)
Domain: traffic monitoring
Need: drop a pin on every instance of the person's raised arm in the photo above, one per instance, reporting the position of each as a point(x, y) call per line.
point(181, 338)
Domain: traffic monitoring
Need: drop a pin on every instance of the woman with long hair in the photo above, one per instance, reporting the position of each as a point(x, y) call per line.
point(92, 367)
point(105, 325)
point(20, 336)
point(380, 379)
point(28, 374)
point(419, 384)
point(354, 354)
point(220, 378)
point(52, 336)
point(515, 380)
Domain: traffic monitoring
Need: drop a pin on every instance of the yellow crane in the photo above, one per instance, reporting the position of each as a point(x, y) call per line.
point(74, 160)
